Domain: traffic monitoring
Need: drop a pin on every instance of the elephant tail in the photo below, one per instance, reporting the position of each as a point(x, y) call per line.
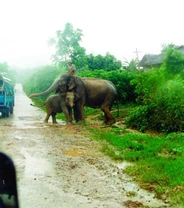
point(37, 105)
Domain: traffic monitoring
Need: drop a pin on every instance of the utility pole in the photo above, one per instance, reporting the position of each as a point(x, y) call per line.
point(137, 56)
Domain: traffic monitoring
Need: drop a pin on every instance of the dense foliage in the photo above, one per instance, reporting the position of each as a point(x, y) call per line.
point(132, 66)
point(160, 97)
point(173, 62)
point(107, 62)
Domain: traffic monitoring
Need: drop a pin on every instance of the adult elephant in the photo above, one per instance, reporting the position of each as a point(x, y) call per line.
point(92, 92)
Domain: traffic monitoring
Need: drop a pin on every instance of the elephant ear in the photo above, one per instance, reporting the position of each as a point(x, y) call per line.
point(72, 83)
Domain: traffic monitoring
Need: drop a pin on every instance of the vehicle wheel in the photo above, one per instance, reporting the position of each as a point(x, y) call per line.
point(11, 108)
point(7, 112)
point(3, 113)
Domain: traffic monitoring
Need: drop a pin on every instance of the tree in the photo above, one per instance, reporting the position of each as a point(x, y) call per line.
point(131, 66)
point(173, 61)
point(67, 46)
point(111, 63)
point(166, 46)
point(107, 62)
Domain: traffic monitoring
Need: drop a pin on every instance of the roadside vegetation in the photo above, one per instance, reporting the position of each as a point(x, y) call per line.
point(157, 160)
point(151, 106)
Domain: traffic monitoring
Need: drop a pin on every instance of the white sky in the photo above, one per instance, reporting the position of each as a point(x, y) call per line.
point(114, 26)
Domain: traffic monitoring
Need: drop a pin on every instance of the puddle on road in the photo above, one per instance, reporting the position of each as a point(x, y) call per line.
point(32, 124)
point(123, 165)
point(29, 127)
point(36, 166)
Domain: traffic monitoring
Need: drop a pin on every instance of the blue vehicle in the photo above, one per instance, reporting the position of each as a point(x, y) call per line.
point(6, 96)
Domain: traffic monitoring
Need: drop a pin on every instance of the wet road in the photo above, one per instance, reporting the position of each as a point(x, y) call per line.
point(58, 166)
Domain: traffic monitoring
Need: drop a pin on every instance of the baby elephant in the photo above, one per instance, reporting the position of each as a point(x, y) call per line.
point(58, 103)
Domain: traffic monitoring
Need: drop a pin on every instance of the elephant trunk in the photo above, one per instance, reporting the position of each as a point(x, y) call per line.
point(53, 87)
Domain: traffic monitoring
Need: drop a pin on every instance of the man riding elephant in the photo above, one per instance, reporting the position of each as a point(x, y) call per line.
point(71, 69)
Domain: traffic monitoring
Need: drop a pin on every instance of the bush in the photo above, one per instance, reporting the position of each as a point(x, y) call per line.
point(173, 61)
point(164, 112)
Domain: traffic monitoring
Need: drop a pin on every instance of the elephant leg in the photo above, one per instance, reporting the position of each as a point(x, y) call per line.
point(54, 118)
point(79, 112)
point(70, 114)
point(76, 114)
point(47, 118)
point(105, 119)
point(66, 113)
point(108, 117)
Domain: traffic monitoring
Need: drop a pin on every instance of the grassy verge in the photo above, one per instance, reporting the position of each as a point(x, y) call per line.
point(158, 160)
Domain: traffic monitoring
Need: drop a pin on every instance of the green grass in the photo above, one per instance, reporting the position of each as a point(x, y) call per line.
point(158, 160)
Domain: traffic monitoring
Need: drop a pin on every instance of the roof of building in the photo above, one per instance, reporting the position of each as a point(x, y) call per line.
point(153, 59)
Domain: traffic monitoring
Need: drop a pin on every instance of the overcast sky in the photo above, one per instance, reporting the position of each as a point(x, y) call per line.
point(114, 26)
